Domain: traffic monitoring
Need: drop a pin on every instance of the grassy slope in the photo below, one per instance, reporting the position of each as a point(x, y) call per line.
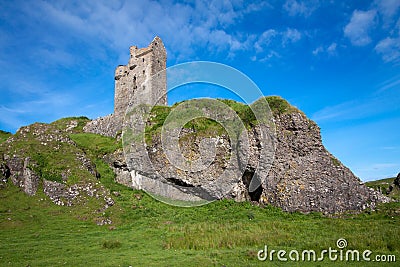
point(35, 232)
point(208, 127)
point(383, 186)
point(51, 157)
point(3, 136)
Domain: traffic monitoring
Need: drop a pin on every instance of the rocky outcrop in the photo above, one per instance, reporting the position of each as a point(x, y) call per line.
point(395, 186)
point(43, 155)
point(303, 177)
point(306, 177)
point(107, 126)
point(19, 171)
point(396, 181)
point(30, 179)
point(4, 173)
point(64, 195)
point(297, 174)
point(118, 164)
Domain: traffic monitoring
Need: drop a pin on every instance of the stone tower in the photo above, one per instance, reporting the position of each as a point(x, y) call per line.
point(140, 81)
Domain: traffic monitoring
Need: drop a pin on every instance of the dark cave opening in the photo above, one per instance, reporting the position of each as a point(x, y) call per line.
point(246, 178)
point(179, 182)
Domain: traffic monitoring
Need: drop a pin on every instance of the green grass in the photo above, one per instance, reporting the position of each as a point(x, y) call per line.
point(335, 161)
point(243, 111)
point(4, 136)
point(51, 153)
point(146, 232)
point(279, 105)
point(383, 186)
point(96, 144)
point(65, 123)
point(207, 127)
point(201, 126)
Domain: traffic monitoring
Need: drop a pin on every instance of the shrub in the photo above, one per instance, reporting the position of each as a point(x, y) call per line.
point(111, 244)
point(278, 105)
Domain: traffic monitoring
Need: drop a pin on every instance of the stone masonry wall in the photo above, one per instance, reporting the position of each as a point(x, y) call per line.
point(141, 81)
point(134, 82)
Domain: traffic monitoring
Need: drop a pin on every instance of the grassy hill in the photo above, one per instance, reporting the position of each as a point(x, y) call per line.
point(144, 232)
point(383, 185)
point(3, 136)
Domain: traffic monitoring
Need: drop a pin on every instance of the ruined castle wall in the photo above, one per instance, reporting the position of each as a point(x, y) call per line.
point(159, 78)
point(141, 81)
point(134, 83)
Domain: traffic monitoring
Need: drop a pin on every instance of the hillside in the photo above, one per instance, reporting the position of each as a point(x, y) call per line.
point(61, 205)
point(303, 175)
point(67, 163)
point(3, 136)
point(36, 232)
point(388, 186)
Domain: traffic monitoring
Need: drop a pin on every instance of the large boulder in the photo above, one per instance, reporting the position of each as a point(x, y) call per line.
point(303, 176)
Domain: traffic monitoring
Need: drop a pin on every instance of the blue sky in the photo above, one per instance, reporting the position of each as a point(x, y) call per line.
point(338, 61)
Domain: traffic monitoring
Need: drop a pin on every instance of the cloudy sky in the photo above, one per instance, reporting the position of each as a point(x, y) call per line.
point(338, 61)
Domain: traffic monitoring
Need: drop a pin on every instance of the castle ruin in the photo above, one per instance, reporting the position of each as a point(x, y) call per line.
point(141, 81)
point(304, 176)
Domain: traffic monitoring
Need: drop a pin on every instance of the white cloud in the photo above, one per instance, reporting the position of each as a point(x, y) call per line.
point(271, 40)
point(109, 28)
point(54, 57)
point(318, 50)
point(290, 35)
point(119, 25)
point(389, 49)
point(390, 148)
point(270, 55)
point(331, 49)
point(45, 107)
point(360, 108)
point(299, 8)
point(387, 7)
point(253, 7)
point(379, 170)
point(265, 39)
point(389, 84)
point(378, 166)
point(337, 112)
point(358, 29)
point(398, 26)
point(83, 34)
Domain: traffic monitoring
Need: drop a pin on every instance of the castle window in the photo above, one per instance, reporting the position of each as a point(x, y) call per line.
point(143, 59)
point(155, 43)
point(143, 71)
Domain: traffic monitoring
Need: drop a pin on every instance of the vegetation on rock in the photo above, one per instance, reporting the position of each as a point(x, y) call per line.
point(278, 105)
point(4, 136)
point(386, 186)
point(36, 232)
